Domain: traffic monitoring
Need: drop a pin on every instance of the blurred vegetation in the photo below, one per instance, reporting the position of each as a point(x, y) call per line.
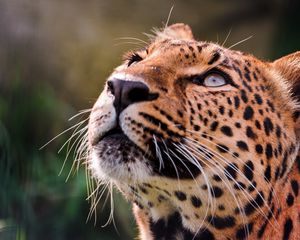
point(54, 58)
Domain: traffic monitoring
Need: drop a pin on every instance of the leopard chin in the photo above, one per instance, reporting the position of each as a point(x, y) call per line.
point(117, 158)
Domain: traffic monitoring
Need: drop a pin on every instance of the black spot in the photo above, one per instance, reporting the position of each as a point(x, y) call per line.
point(222, 148)
point(269, 151)
point(140, 206)
point(290, 200)
point(239, 186)
point(295, 187)
point(235, 154)
point(254, 204)
point(248, 170)
point(180, 114)
point(248, 113)
point(257, 124)
point(214, 126)
point(216, 192)
point(231, 171)
point(250, 133)
point(284, 164)
point(268, 125)
point(229, 101)
point(242, 233)
point(196, 201)
point(238, 125)
point(221, 109)
point(258, 99)
point(180, 195)
point(244, 96)
point(227, 131)
point(278, 131)
point(214, 58)
point(144, 190)
point(259, 149)
point(252, 187)
point(221, 207)
point(271, 105)
point(236, 102)
point(196, 128)
point(268, 173)
point(217, 178)
point(221, 222)
point(288, 227)
point(242, 145)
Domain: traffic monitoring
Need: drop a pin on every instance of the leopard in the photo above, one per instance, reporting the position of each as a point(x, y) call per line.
point(201, 139)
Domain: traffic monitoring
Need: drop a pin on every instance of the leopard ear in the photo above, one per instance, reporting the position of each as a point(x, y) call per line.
point(177, 31)
point(289, 68)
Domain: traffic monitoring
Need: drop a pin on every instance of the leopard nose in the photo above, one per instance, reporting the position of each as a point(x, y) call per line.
point(129, 92)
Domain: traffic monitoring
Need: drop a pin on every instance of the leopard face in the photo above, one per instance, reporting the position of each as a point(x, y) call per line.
point(194, 133)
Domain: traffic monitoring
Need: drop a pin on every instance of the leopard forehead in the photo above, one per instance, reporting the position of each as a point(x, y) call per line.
point(192, 149)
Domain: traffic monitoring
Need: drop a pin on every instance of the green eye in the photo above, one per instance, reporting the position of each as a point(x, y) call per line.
point(214, 80)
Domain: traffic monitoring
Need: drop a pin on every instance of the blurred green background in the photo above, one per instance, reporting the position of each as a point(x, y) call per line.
point(54, 58)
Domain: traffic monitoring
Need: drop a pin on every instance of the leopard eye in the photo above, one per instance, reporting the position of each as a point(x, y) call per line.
point(214, 80)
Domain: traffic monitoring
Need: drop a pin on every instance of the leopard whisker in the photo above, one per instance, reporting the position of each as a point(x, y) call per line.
point(81, 132)
point(111, 215)
point(133, 38)
point(158, 153)
point(239, 42)
point(227, 36)
point(169, 16)
point(60, 134)
point(88, 110)
point(128, 42)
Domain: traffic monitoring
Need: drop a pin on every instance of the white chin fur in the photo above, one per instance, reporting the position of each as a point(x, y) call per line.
point(112, 169)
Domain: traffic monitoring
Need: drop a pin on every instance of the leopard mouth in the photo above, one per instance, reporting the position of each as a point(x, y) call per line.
point(116, 132)
point(117, 153)
point(115, 144)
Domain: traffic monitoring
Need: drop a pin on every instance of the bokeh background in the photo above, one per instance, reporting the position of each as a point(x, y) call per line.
point(54, 58)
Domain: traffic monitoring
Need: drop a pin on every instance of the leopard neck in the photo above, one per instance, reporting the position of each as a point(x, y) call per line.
point(282, 216)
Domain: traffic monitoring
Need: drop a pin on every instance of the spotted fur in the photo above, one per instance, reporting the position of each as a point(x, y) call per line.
point(203, 140)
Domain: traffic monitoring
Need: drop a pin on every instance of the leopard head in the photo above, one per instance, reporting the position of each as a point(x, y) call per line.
point(192, 131)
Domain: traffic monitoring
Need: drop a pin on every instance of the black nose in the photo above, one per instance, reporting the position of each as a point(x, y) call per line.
point(129, 92)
